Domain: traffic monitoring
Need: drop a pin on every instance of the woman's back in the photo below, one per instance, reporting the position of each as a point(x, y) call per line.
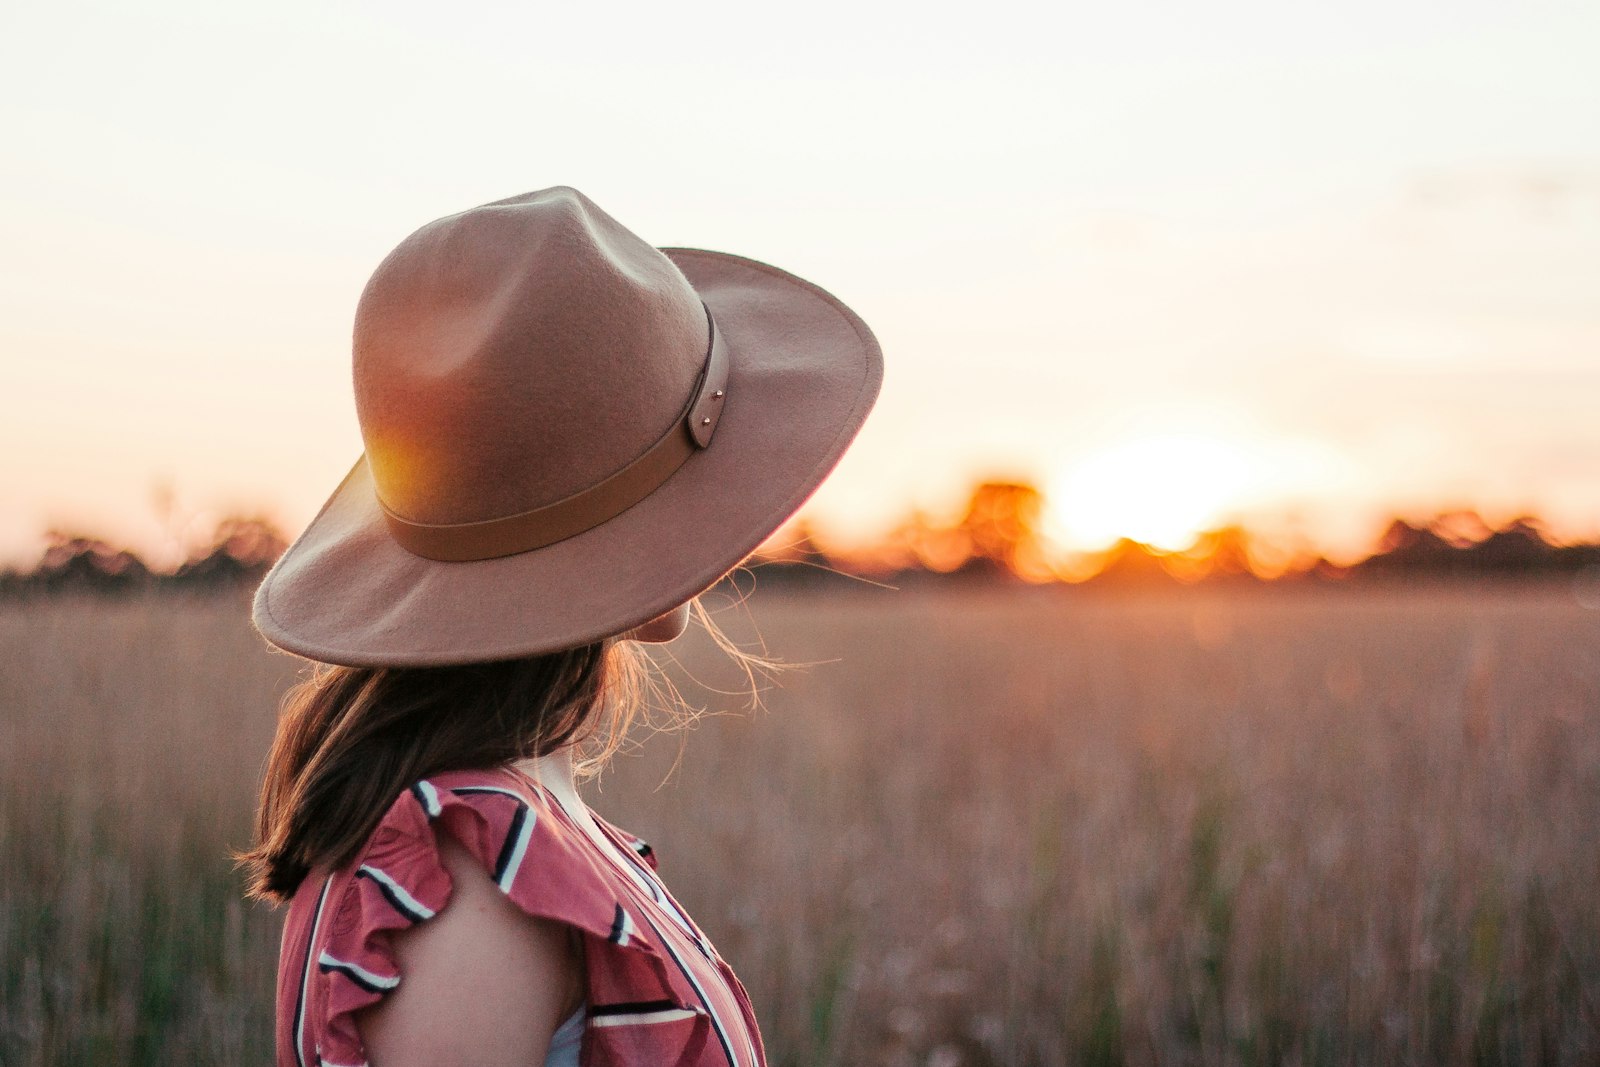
point(655, 990)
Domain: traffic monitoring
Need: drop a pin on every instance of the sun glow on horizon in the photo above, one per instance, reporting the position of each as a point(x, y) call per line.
point(1161, 490)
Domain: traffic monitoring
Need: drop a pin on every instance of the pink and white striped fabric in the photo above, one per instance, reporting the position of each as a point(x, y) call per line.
point(657, 992)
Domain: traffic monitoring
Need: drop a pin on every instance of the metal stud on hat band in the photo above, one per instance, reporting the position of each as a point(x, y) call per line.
point(588, 508)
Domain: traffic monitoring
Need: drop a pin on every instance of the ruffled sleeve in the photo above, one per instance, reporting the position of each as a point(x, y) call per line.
point(400, 880)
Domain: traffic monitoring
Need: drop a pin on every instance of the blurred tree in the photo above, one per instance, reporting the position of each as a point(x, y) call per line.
point(1129, 563)
point(1001, 532)
point(1460, 544)
point(74, 561)
point(242, 549)
point(1462, 529)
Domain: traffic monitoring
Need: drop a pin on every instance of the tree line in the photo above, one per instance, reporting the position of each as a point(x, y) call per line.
point(998, 538)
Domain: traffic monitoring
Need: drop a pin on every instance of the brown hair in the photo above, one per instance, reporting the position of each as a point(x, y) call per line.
point(351, 739)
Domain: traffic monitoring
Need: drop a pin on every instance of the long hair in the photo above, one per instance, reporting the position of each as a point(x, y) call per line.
point(350, 739)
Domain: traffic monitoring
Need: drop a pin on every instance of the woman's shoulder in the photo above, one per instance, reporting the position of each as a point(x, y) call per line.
point(482, 982)
point(510, 828)
point(401, 853)
point(509, 824)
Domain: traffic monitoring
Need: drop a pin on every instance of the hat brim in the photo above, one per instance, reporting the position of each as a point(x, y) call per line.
point(804, 372)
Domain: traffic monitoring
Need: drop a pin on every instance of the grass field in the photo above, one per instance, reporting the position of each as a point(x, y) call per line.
point(1041, 827)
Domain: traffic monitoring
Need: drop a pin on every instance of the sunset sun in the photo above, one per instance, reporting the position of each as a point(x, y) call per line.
point(1159, 490)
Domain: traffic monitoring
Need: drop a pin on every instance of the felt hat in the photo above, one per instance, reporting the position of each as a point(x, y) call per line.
point(567, 431)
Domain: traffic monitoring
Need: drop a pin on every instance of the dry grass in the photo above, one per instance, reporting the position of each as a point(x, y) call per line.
point(1208, 828)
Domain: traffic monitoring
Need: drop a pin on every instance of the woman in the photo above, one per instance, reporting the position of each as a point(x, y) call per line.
point(569, 434)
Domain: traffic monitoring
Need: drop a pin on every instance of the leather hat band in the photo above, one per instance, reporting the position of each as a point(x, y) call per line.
point(587, 508)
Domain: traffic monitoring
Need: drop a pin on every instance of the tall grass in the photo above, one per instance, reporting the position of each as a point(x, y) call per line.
point(1003, 828)
point(131, 738)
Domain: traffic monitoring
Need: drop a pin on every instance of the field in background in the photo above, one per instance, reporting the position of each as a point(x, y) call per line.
point(1028, 827)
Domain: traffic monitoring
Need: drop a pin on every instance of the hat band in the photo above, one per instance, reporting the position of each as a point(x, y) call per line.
point(587, 508)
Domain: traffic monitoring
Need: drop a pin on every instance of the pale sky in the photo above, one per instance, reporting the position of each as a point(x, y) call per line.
point(1333, 261)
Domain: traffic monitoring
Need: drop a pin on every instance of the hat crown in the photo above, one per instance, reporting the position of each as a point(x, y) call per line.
point(514, 354)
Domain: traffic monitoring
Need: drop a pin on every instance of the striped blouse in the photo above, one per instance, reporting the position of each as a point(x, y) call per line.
point(656, 991)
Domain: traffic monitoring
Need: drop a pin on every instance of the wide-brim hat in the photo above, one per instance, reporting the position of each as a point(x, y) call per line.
point(567, 431)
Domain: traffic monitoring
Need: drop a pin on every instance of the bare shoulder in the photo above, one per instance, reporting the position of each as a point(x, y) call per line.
point(481, 982)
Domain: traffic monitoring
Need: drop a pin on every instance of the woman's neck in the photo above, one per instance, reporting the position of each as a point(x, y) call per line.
point(553, 770)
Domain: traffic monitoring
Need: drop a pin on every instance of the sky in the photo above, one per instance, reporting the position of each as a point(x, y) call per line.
point(1305, 266)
